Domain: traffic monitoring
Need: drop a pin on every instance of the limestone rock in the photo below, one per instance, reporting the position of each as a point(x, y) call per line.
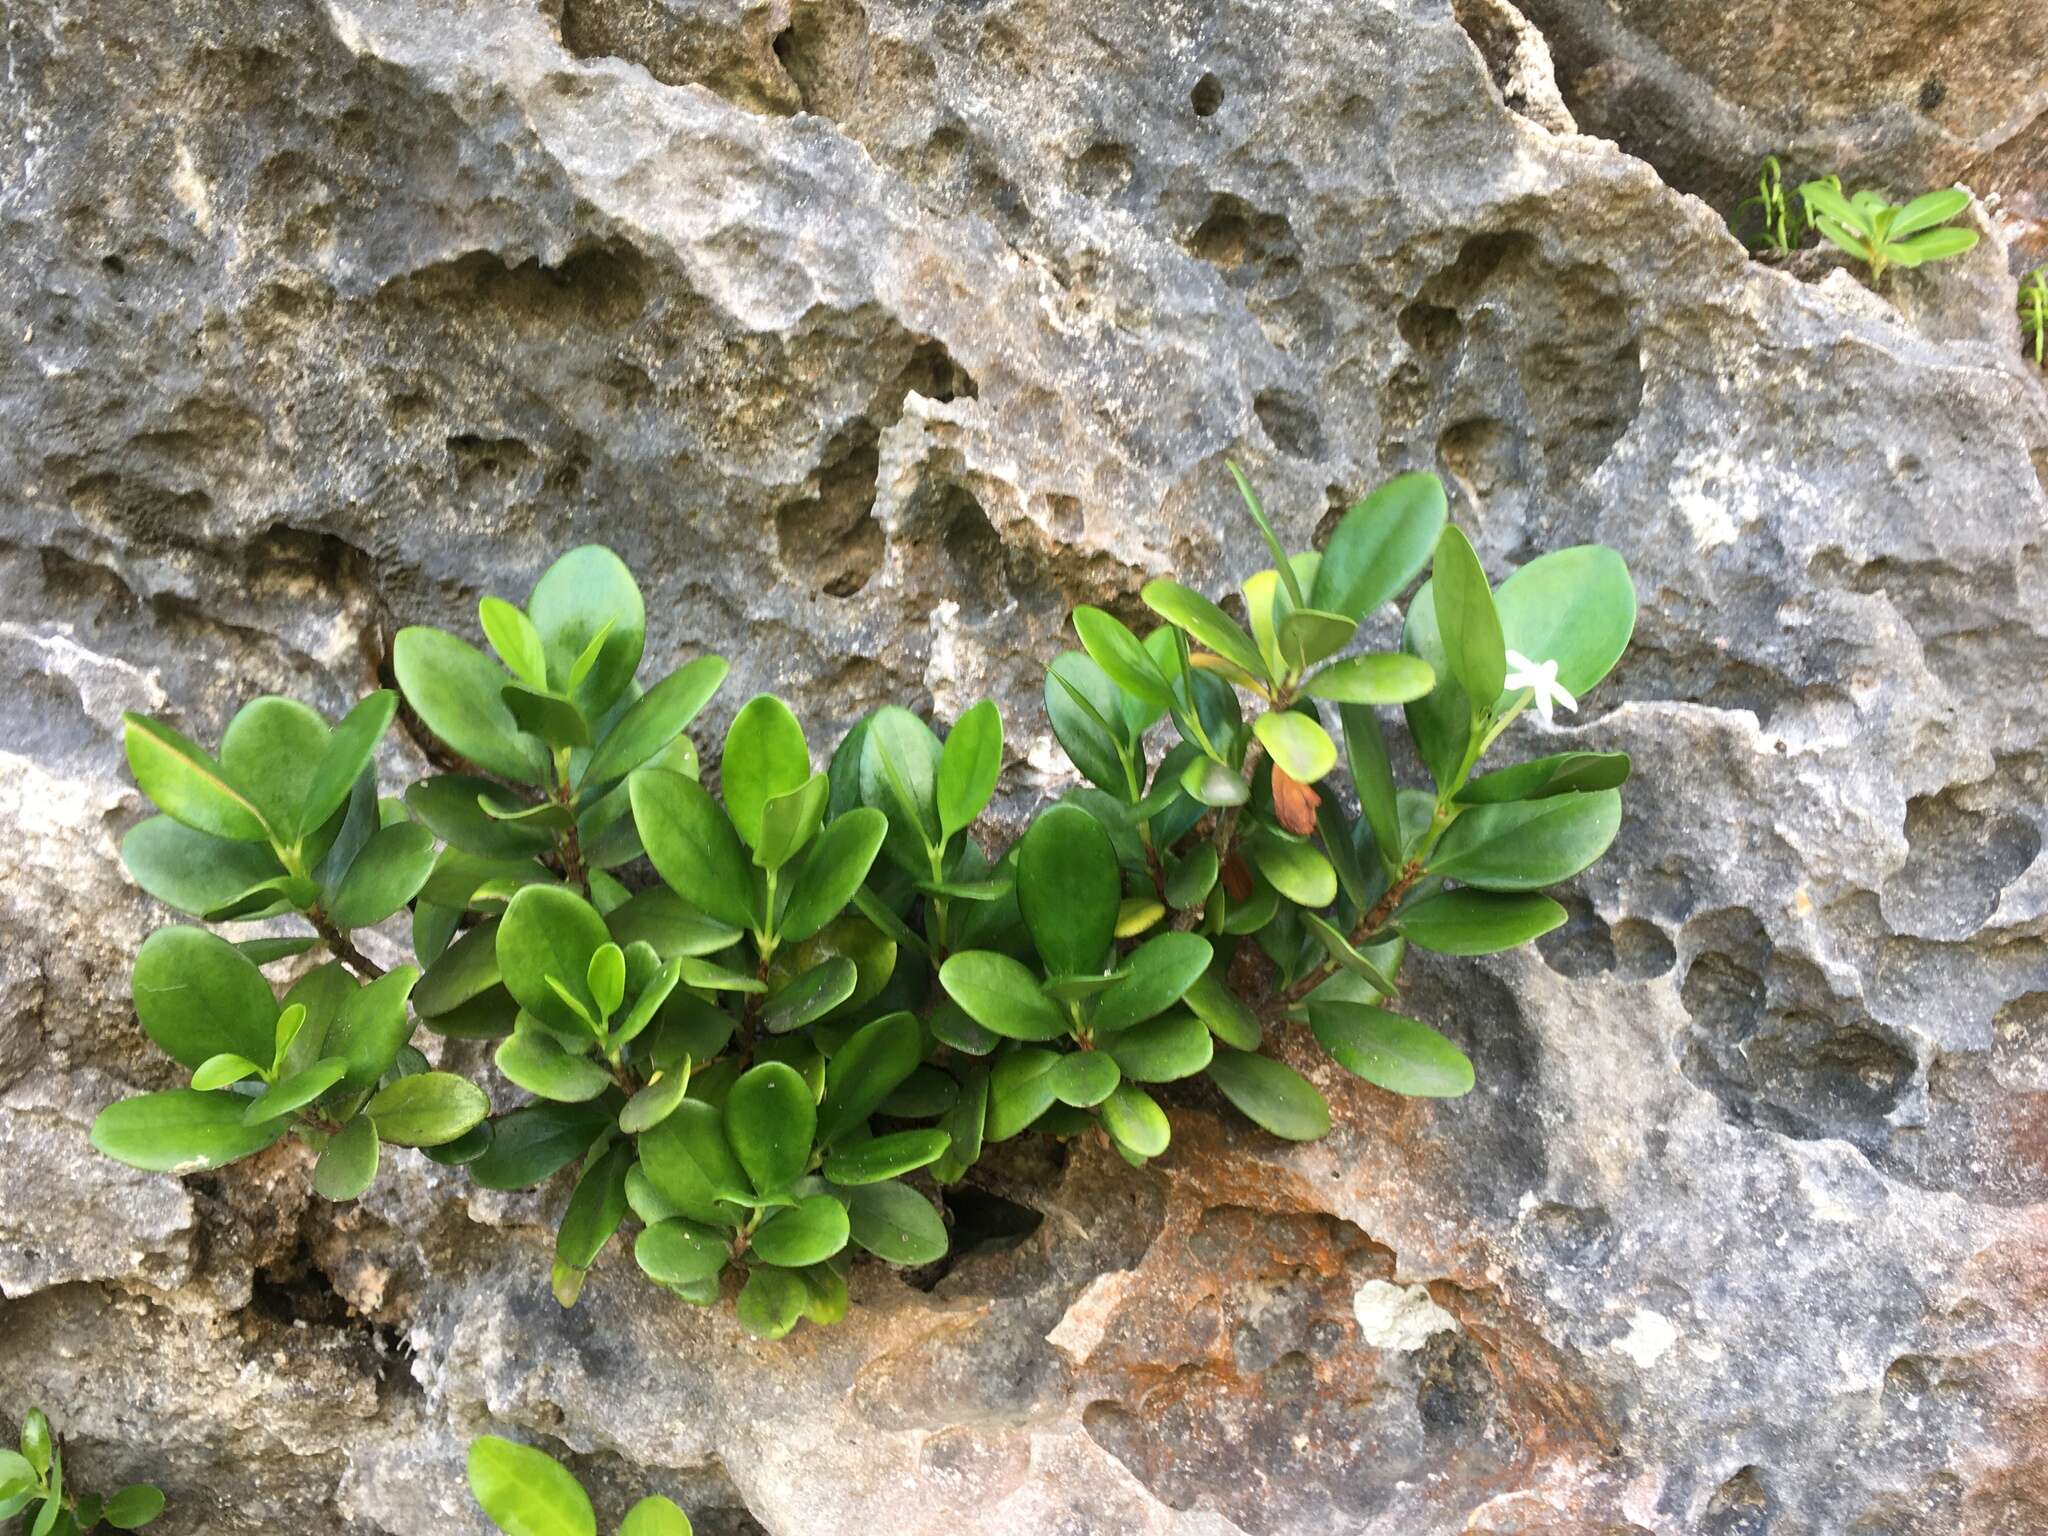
point(875, 336)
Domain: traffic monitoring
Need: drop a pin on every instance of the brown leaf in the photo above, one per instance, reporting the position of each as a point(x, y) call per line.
point(1294, 803)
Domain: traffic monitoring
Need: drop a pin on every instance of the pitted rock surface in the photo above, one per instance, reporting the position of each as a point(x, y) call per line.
point(875, 336)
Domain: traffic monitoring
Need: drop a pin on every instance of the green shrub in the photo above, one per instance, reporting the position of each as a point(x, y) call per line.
point(1780, 223)
point(526, 1492)
point(32, 1485)
point(818, 983)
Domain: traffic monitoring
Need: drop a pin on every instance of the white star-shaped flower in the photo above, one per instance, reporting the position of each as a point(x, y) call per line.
point(1540, 678)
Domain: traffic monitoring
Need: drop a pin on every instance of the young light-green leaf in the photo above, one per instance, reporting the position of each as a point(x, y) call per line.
point(350, 748)
point(589, 596)
point(1299, 745)
point(655, 1516)
point(183, 1131)
point(427, 1109)
point(808, 1232)
point(1392, 677)
point(526, 1492)
point(1002, 995)
point(457, 691)
point(765, 756)
point(1207, 624)
point(187, 784)
point(516, 641)
point(549, 931)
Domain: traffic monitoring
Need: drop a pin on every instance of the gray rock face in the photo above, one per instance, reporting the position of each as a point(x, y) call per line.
point(875, 337)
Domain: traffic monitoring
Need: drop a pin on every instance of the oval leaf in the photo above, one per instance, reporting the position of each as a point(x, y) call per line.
point(1469, 922)
point(1271, 1094)
point(770, 1119)
point(1393, 1052)
point(426, 1109)
point(183, 1131)
point(1069, 890)
point(1000, 994)
point(692, 845)
point(1529, 843)
point(808, 1232)
point(527, 1492)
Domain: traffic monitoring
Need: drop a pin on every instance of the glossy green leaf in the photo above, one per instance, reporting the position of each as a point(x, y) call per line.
point(1339, 947)
point(808, 1232)
point(1469, 922)
point(535, 1060)
point(1441, 721)
point(656, 1101)
point(427, 1109)
point(387, 874)
point(556, 721)
point(837, 864)
point(865, 1071)
point(969, 765)
point(131, 1508)
point(693, 846)
point(886, 1157)
point(1121, 656)
point(293, 1093)
point(771, 1302)
point(1001, 994)
point(655, 1516)
point(790, 821)
point(348, 1163)
point(808, 997)
point(1559, 774)
point(1306, 637)
point(1069, 889)
point(1228, 1018)
point(269, 752)
point(464, 972)
point(1298, 744)
point(1527, 844)
point(1296, 870)
point(197, 996)
point(770, 1119)
point(1018, 1092)
point(672, 927)
point(526, 1492)
point(765, 756)
point(1382, 678)
point(200, 874)
point(537, 1142)
point(898, 775)
point(1391, 1051)
point(1206, 623)
point(449, 806)
point(550, 932)
point(183, 1131)
point(1215, 784)
point(1162, 1050)
point(187, 784)
point(586, 594)
point(1381, 544)
point(1158, 973)
point(223, 1070)
point(350, 748)
point(655, 719)
point(1574, 606)
point(1466, 618)
point(894, 1222)
point(1084, 710)
point(1135, 1122)
point(691, 1162)
point(1083, 1078)
point(679, 1251)
point(1935, 245)
point(456, 690)
point(596, 1208)
point(513, 637)
point(1271, 1094)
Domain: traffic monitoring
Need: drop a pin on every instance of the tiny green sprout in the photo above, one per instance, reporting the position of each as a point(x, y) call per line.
point(1882, 236)
point(2034, 313)
point(526, 1492)
point(1780, 222)
point(33, 1480)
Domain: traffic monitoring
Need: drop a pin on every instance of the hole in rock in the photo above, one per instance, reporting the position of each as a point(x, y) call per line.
point(1207, 96)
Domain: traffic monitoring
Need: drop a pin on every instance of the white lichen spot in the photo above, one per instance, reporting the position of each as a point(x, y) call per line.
point(1400, 1317)
point(1649, 1335)
point(189, 187)
point(1079, 1332)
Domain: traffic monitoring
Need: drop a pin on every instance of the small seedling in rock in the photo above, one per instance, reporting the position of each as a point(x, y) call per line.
point(525, 1492)
point(1781, 224)
point(2034, 313)
point(1882, 236)
point(32, 1485)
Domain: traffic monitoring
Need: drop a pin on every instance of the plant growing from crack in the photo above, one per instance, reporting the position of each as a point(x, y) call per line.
point(1781, 224)
point(1882, 236)
point(526, 1492)
point(760, 1024)
point(33, 1485)
point(2034, 313)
